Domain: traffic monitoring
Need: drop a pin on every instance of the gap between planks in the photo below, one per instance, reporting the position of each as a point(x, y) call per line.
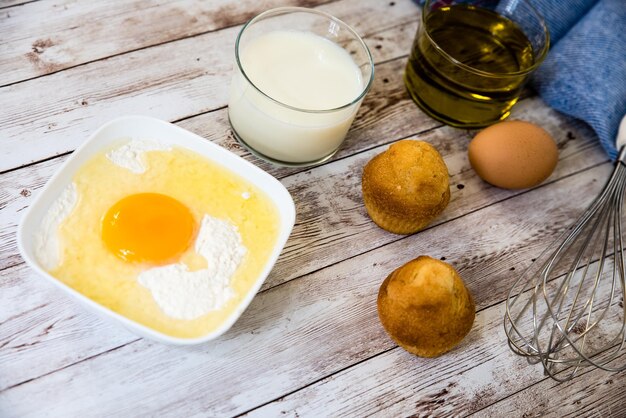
point(8, 3)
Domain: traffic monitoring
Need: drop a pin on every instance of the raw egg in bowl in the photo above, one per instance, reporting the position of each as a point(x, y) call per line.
point(159, 229)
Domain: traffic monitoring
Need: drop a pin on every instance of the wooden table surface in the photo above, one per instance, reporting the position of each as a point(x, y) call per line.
point(310, 344)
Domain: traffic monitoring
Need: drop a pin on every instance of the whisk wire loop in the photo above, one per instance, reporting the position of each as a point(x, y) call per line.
point(564, 310)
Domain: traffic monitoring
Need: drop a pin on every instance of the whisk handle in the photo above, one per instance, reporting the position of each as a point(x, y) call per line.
point(620, 141)
point(621, 157)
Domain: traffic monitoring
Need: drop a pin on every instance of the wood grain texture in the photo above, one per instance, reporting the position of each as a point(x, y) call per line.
point(477, 374)
point(595, 394)
point(194, 79)
point(42, 330)
point(315, 242)
point(11, 3)
point(317, 231)
point(48, 36)
point(323, 322)
point(310, 344)
point(387, 115)
point(387, 101)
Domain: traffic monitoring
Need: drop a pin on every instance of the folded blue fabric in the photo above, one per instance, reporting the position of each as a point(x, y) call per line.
point(584, 74)
point(561, 15)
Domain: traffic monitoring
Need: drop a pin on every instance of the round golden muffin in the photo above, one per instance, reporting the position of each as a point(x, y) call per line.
point(406, 187)
point(425, 307)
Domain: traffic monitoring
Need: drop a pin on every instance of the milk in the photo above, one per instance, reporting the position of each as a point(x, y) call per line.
point(309, 74)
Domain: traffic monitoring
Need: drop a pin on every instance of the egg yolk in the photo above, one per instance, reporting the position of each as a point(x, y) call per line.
point(148, 227)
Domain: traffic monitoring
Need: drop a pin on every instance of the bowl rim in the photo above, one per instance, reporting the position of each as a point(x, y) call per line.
point(283, 202)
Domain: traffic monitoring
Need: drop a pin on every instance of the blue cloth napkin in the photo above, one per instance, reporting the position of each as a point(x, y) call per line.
point(584, 74)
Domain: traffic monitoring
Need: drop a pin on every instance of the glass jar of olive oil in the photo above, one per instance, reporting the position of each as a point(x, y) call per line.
point(470, 59)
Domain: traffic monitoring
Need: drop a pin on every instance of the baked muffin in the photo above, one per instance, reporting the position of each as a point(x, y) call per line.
point(425, 307)
point(405, 187)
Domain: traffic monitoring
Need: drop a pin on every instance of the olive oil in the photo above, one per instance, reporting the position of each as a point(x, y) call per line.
point(468, 65)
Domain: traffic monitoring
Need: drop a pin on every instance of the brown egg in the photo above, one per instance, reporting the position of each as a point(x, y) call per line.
point(513, 154)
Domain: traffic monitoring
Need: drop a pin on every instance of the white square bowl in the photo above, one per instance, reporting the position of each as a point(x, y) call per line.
point(143, 127)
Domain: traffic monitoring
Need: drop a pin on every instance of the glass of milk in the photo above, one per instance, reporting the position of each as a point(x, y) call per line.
point(299, 79)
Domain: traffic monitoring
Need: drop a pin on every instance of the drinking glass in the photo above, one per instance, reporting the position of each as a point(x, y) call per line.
point(283, 133)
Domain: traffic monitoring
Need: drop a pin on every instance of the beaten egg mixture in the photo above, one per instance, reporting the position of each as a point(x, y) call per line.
point(103, 261)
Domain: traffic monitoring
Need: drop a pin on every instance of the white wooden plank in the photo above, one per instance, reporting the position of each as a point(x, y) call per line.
point(595, 393)
point(57, 118)
point(332, 223)
point(39, 325)
point(315, 240)
point(307, 329)
point(300, 332)
point(193, 79)
point(11, 3)
point(481, 371)
point(47, 36)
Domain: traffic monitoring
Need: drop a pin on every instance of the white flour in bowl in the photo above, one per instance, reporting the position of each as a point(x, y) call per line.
point(48, 248)
point(184, 294)
point(130, 155)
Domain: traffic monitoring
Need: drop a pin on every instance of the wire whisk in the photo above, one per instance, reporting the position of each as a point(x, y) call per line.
point(566, 310)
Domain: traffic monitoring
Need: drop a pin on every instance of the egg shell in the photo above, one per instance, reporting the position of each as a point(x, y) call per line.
point(513, 154)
